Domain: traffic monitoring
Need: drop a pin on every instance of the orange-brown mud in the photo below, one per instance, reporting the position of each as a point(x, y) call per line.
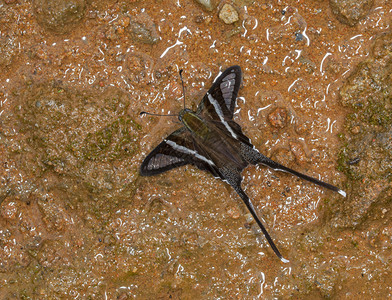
point(78, 221)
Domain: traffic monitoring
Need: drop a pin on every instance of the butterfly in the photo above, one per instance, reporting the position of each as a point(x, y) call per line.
point(212, 141)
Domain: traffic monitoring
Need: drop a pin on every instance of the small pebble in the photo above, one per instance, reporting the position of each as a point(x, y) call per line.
point(278, 117)
point(234, 213)
point(355, 129)
point(228, 14)
point(299, 36)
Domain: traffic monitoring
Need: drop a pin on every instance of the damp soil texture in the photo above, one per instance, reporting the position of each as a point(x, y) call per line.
point(77, 221)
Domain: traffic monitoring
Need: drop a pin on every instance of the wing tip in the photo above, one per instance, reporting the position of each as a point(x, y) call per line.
point(343, 193)
point(284, 260)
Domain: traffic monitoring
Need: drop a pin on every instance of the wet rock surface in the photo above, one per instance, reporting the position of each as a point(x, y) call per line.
point(367, 156)
point(361, 218)
point(86, 138)
point(75, 142)
point(57, 15)
point(77, 221)
point(350, 12)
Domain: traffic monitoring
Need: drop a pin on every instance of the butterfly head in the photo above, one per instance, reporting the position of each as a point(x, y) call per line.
point(183, 114)
point(194, 123)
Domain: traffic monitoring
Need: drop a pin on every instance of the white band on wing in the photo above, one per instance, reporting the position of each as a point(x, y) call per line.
point(189, 151)
point(220, 114)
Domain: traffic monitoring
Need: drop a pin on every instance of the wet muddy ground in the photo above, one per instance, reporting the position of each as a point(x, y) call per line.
point(78, 221)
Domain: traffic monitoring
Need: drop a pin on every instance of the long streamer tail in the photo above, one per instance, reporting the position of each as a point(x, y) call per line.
point(278, 167)
point(252, 210)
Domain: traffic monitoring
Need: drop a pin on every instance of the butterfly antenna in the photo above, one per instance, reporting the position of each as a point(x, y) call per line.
point(159, 115)
point(183, 87)
point(167, 115)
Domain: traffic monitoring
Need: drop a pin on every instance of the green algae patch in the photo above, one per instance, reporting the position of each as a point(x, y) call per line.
point(71, 126)
point(83, 141)
point(114, 141)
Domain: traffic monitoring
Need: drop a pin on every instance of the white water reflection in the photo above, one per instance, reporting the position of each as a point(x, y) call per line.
point(170, 47)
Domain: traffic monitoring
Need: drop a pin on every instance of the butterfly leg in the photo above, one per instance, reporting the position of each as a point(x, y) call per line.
point(255, 157)
point(235, 181)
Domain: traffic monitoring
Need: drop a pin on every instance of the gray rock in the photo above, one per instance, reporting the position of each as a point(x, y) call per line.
point(142, 29)
point(208, 5)
point(366, 156)
point(59, 16)
point(350, 12)
point(8, 49)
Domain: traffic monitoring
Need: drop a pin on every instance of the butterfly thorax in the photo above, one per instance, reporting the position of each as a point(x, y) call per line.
point(194, 123)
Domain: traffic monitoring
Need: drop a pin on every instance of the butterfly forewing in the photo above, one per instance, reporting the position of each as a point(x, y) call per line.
point(177, 150)
point(220, 99)
point(218, 105)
